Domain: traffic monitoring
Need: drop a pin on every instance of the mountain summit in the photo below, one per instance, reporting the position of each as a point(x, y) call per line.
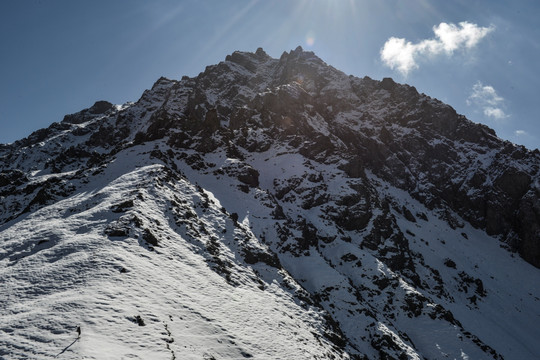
point(270, 208)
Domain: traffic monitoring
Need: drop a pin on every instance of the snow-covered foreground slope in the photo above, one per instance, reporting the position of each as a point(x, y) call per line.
point(269, 209)
point(61, 271)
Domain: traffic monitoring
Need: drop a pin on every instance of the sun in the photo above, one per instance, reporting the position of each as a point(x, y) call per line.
point(310, 39)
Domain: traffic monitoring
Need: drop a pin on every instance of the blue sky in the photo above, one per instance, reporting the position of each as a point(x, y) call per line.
point(60, 56)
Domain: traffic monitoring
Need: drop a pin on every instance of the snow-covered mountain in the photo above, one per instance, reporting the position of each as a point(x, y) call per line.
point(269, 209)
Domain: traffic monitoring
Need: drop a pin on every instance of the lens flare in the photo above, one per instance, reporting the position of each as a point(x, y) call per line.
point(310, 38)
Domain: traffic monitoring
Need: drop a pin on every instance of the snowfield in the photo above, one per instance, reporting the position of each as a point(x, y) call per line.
point(60, 271)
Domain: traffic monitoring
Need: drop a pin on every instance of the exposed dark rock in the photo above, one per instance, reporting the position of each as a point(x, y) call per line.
point(388, 84)
point(122, 207)
point(252, 257)
point(149, 237)
point(100, 107)
point(450, 263)
point(122, 227)
point(243, 172)
point(211, 121)
point(138, 320)
point(278, 213)
point(529, 228)
point(12, 177)
point(249, 176)
point(414, 303)
point(408, 214)
point(349, 257)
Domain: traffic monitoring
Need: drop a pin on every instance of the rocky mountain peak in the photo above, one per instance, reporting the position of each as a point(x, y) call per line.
point(364, 211)
point(261, 53)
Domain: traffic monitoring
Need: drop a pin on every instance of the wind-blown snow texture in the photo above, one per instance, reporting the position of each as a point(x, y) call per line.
point(269, 209)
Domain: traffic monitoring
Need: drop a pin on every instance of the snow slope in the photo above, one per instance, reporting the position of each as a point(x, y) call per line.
point(60, 271)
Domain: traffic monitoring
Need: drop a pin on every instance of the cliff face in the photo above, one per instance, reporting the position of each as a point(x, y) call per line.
point(387, 220)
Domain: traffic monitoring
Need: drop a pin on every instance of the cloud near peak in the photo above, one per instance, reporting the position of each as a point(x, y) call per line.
point(485, 97)
point(400, 54)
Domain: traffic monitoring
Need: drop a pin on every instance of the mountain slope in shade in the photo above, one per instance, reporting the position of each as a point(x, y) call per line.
point(270, 208)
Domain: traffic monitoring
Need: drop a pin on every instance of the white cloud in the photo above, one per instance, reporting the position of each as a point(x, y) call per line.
point(520, 132)
point(485, 97)
point(452, 37)
point(397, 53)
point(495, 113)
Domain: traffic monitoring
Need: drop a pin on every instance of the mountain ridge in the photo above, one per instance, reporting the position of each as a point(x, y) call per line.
point(344, 186)
point(447, 124)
